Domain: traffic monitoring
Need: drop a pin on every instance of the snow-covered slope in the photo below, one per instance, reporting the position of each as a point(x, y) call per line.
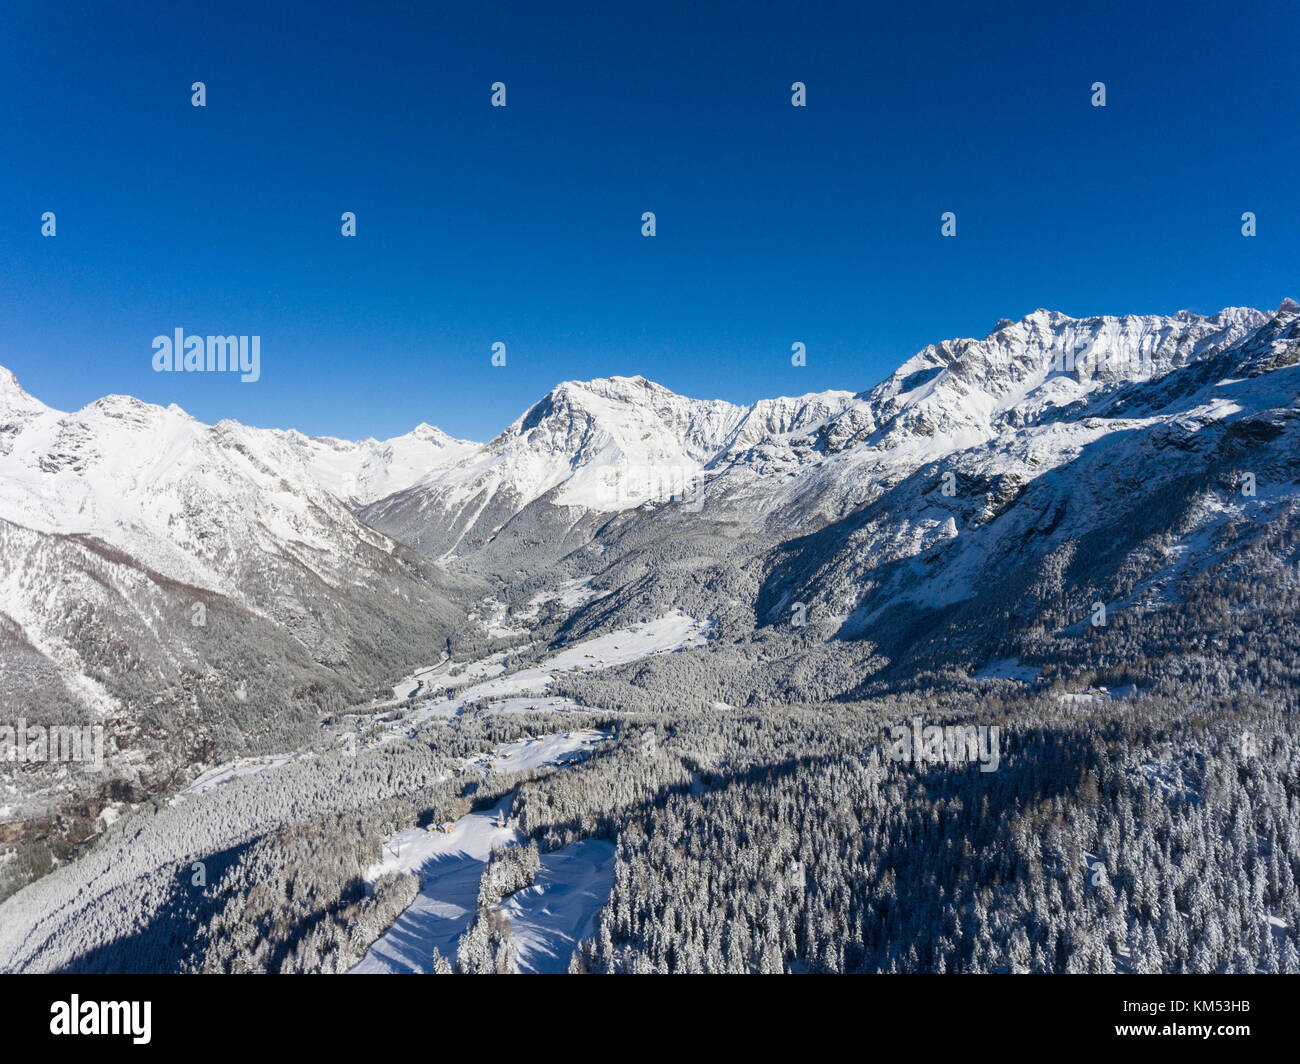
point(361, 471)
point(965, 477)
point(960, 392)
point(150, 560)
point(976, 459)
point(195, 501)
point(587, 449)
point(989, 502)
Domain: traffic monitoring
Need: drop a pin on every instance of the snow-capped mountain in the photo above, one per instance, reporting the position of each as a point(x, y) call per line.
point(961, 392)
point(168, 573)
point(1023, 378)
point(362, 471)
point(990, 487)
point(590, 451)
point(585, 450)
point(998, 456)
point(195, 500)
point(970, 472)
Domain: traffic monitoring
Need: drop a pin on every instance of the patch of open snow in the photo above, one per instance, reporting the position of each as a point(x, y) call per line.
point(1099, 694)
point(1008, 669)
point(244, 766)
point(571, 594)
point(1168, 777)
point(449, 674)
point(449, 865)
point(672, 632)
point(559, 910)
point(533, 753)
point(553, 704)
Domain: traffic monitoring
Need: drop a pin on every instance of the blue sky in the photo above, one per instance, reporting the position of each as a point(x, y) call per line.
point(522, 224)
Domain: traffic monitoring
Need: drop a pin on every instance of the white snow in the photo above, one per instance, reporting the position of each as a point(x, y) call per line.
point(559, 910)
point(571, 594)
point(607, 445)
point(1008, 669)
point(449, 867)
point(568, 889)
point(672, 632)
point(532, 705)
point(111, 813)
point(231, 770)
point(1166, 775)
point(541, 751)
point(365, 470)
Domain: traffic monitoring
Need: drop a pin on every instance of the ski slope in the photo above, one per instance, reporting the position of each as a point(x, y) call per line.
point(554, 913)
point(559, 910)
point(672, 632)
point(449, 867)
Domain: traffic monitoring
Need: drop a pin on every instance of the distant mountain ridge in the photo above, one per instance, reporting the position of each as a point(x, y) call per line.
point(199, 586)
point(590, 448)
point(937, 494)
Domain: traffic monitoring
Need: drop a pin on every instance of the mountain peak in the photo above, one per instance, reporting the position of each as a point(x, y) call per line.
point(116, 405)
point(1024, 371)
point(624, 389)
point(606, 401)
point(12, 396)
point(432, 434)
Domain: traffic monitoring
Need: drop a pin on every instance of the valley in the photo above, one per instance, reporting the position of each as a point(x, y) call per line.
point(642, 656)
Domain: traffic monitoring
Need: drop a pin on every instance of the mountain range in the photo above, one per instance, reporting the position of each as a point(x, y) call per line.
point(217, 588)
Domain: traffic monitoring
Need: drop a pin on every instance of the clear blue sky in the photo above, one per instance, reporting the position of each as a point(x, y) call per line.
point(522, 224)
